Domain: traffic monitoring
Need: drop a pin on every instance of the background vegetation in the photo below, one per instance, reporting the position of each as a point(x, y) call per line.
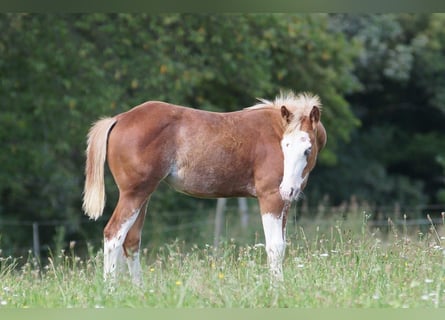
point(381, 79)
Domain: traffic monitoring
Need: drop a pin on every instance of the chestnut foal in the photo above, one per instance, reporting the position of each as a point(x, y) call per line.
point(265, 151)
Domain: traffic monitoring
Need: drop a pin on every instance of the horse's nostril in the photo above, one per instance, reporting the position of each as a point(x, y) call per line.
point(291, 192)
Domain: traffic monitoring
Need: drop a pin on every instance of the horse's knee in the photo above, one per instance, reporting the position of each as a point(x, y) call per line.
point(274, 230)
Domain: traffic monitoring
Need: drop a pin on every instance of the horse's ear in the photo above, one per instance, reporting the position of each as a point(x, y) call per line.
point(321, 136)
point(286, 114)
point(314, 116)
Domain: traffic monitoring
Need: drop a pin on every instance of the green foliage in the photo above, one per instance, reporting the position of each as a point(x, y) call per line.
point(392, 158)
point(429, 45)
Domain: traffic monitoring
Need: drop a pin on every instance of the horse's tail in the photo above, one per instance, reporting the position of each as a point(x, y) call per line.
point(96, 152)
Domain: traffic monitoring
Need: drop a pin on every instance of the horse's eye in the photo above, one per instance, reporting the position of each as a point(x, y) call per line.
point(308, 151)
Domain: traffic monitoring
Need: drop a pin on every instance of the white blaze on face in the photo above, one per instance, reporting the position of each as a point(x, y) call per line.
point(296, 146)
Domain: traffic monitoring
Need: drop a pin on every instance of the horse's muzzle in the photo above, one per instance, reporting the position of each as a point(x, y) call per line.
point(289, 193)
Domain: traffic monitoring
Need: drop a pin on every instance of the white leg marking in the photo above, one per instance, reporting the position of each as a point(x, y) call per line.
point(275, 243)
point(113, 250)
point(134, 266)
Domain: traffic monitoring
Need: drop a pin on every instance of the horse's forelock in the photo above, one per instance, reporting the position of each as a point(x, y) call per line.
point(299, 105)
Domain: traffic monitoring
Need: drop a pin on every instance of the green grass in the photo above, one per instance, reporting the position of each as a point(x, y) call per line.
point(337, 265)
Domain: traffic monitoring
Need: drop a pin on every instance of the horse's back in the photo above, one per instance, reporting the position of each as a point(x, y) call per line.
point(201, 153)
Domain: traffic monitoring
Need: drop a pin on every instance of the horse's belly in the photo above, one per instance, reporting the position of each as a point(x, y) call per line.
point(209, 182)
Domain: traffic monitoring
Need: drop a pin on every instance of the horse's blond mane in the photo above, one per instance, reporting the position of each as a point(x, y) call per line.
point(300, 104)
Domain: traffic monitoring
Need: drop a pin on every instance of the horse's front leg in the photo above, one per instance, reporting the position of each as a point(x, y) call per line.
point(274, 215)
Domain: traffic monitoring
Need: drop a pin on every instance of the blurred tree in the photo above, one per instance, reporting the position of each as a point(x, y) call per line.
point(47, 80)
point(393, 158)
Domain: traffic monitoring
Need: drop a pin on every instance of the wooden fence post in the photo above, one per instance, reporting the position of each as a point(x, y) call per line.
point(36, 240)
point(219, 219)
point(243, 211)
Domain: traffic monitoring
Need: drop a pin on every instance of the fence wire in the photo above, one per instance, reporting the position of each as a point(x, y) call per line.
point(9, 225)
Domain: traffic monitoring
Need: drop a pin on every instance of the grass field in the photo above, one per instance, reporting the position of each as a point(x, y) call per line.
point(338, 265)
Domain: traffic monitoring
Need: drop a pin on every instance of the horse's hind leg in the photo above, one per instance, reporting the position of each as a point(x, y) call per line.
point(132, 246)
point(125, 215)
